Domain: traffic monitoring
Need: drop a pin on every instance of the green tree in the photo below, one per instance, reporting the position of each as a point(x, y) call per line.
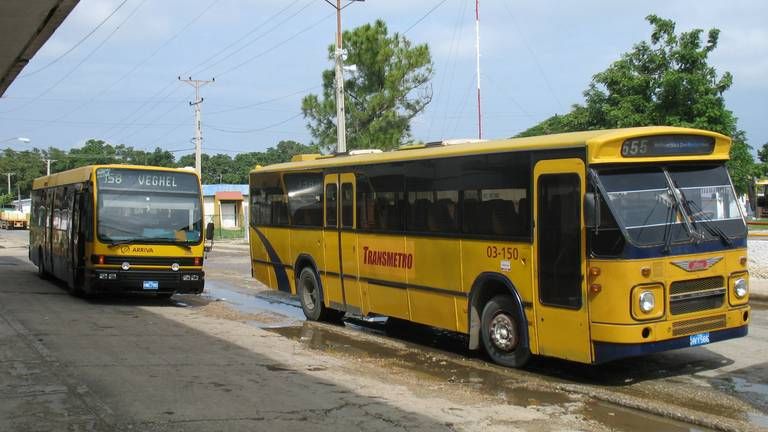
point(26, 165)
point(664, 81)
point(390, 87)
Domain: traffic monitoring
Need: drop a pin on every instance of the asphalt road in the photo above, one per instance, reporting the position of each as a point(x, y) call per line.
point(249, 362)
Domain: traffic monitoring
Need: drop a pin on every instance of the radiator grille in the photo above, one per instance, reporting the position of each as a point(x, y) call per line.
point(682, 287)
point(697, 295)
point(698, 325)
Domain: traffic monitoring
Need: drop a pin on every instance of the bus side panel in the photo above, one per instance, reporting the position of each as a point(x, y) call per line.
point(305, 242)
point(514, 261)
point(385, 277)
point(434, 279)
point(260, 262)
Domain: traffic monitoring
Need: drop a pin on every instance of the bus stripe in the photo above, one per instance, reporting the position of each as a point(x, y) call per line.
point(283, 284)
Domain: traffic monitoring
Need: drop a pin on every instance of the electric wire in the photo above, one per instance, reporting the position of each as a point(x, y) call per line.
point(423, 17)
point(77, 44)
point(246, 131)
point(251, 42)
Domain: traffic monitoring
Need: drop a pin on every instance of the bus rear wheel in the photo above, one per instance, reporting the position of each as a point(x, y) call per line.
point(502, 329)
point(311, 297)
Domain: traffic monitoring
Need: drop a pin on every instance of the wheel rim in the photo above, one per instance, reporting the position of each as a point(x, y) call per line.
point(503, 333)
point(308, 292)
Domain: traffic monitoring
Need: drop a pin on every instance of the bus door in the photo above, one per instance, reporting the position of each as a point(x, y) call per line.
point(562, 316)
point(341, 286)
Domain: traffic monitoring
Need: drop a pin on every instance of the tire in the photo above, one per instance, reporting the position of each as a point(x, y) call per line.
point(311, 296)
point(501, 332)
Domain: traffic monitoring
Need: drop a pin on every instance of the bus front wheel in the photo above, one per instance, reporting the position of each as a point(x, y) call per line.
point(502, 328)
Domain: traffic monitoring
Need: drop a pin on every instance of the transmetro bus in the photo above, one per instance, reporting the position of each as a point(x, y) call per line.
point(119, 228)
point(588, 246)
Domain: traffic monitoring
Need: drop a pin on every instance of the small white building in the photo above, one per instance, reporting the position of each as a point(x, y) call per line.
point(226, 205)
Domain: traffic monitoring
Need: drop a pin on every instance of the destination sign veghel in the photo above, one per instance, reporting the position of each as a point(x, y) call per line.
point(668, 145)
point(127, 179)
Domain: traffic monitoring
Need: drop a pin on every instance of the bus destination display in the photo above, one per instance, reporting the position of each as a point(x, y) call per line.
point(668, 145)
point(140, 180)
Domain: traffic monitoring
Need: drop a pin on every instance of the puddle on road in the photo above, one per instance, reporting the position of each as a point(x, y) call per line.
point(428, 359)
point(515, 391)
point(625, 419)
point(248, 303)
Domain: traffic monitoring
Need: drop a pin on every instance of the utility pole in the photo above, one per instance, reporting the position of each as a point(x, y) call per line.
point(198, 123)
point(48, 164)
point(341, 117)
point(9, 174)
point(477, 52)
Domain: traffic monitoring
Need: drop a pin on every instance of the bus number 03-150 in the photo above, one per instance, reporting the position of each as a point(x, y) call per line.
point(501, 252)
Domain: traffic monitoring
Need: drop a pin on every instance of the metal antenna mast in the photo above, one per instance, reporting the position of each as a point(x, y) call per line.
point(477, 50)
point(198, 123)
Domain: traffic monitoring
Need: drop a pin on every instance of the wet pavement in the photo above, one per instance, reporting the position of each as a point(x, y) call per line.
point(693, 385)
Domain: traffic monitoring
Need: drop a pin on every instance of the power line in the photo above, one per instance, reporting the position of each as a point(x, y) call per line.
point(264, 102)
point(84, 38)
point(195, 70)
point(143, 62)
point(86, 58)
point(278, 45)
point(245, 131)
point(423, 17)
point(533, 55)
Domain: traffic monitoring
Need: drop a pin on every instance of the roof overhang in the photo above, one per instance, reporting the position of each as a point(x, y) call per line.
point(25, 25)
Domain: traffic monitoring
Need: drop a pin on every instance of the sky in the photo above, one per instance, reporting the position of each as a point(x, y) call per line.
point(537, 57)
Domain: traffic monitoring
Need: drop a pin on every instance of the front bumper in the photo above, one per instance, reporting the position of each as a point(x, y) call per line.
point(147, 281)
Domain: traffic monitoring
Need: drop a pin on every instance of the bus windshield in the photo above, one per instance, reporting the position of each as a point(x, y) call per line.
point(673, 204)
point(148, 206)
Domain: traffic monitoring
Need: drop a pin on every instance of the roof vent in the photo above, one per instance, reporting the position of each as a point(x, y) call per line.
point(363, 151)
point(305, 157)
point(454, 142)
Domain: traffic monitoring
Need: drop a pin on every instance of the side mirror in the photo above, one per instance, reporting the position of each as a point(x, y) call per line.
point(209, 231)
point(591, 209)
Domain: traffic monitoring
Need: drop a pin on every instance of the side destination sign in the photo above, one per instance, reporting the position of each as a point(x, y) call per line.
point(144, 180)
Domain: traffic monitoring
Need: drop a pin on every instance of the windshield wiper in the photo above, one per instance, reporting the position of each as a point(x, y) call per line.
point(677, 194)
point(122, 242)
point(707, 222)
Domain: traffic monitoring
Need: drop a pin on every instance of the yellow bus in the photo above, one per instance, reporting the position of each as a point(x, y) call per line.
point(588, 246)
point(119, 228)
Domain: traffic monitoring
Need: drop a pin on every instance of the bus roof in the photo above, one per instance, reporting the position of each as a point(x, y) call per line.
point(603, 146)
point(83, 174)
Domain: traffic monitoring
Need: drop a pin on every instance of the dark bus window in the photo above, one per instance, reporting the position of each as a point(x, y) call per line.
point(304, 198)
point(559, 237)
point(267, 200)
point(380, 198)
point(330, 205)
point(433, 195)
point(347, 205)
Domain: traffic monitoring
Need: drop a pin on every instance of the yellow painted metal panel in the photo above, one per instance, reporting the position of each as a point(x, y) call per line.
point(659, 331)
point(562, 332)
point(374, 250)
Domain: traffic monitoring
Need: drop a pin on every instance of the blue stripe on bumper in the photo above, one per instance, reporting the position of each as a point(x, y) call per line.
point(607, 351)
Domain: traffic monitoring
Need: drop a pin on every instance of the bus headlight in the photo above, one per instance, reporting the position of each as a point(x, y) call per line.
point(740, 288)
point(647, 301)
point(175, 266)
point(125, 266)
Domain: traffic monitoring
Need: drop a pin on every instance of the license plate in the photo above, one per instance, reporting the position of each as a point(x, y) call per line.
point(699, 339)
point(151, 285)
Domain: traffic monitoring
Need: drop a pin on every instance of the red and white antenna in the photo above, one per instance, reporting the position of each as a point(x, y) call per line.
point(477, 51)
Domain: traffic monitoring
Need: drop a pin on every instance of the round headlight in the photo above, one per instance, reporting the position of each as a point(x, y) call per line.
point(740, 287)
point(647, 301)
point(125, 266)
point(175, 266)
